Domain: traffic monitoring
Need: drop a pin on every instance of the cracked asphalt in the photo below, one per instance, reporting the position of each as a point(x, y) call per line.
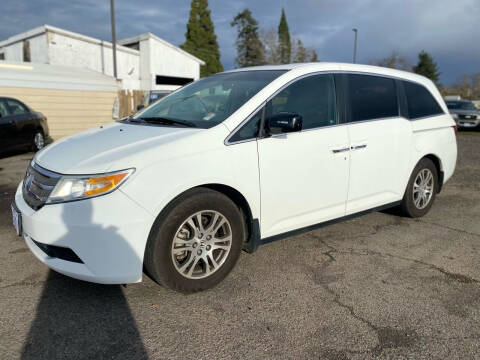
point(379, 286)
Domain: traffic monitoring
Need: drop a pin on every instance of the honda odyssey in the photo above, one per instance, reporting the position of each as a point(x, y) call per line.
point(233, 161)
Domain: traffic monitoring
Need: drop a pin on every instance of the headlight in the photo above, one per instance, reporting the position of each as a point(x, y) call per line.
point(72, 187)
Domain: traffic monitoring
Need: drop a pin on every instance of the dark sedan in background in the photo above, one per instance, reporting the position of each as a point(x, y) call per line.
point(464, 112)
point(20, 126)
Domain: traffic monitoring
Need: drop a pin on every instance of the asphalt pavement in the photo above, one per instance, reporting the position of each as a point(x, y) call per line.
point(378, 286)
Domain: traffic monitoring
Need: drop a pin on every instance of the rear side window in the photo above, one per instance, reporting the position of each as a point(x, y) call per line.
point(15, 107)
point(420, 101)
point(372, 97)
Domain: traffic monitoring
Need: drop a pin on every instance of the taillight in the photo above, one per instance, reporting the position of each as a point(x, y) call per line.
point(45, 118)
point(455, 129)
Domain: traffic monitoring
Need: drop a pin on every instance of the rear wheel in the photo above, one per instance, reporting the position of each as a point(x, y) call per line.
point(195, 242)
point(421, 189)
point(38, 141)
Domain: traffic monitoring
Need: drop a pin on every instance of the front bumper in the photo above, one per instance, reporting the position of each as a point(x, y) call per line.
point(108, 233)
point(467, 123)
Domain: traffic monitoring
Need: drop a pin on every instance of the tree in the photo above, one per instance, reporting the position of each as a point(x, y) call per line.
point(250, 50)
point(427, 67)
point(284, 45)
point(300, 55)
point(200, 39)
point(313, 56)
point(269, 39)
point(394, 61)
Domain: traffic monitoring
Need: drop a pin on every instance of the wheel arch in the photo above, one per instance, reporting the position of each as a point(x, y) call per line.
point(438, 165)
point(252, 226)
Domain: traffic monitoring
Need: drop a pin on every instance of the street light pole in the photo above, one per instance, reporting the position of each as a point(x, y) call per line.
point(114, 38)
point(355, 46)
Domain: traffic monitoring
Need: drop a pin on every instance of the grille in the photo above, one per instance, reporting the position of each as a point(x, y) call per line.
point(37, 185)
point(467, 117)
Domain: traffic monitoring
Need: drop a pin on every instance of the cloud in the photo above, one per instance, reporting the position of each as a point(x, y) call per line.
point(449, 30)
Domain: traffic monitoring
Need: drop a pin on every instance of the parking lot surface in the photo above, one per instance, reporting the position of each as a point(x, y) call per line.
point(378, 286)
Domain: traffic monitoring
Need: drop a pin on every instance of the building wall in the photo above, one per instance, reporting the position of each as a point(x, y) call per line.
point(68, 51)
point(38, 50)
point(167, 61)
point(68, 111)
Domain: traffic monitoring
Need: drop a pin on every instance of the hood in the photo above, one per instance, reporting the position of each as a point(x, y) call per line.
point(99, 149)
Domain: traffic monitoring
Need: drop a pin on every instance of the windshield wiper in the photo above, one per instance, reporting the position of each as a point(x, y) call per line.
point(167, 121)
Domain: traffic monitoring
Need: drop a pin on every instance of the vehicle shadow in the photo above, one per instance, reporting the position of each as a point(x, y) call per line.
point(78, 319)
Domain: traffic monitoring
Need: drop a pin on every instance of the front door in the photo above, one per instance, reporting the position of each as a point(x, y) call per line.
point(304, 175)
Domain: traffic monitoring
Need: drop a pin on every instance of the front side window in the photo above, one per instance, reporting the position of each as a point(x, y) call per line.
point(372, 97)
point(15, 108)
point(209, 101)
point(420, 102)
point(250, 129)
point(313, 98)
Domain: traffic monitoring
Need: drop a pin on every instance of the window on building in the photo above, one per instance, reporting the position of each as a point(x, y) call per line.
point(26, 51)
point(420, 102)
point(172, 80)
point(2, 56)
point(372, 97)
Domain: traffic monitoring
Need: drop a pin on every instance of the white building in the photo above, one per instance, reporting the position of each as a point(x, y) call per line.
point(144, 62)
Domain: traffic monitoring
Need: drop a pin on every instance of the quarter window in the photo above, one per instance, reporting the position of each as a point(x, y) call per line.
point(312, 97)
point(420, 101)
point(372, 97)
point(249, 130)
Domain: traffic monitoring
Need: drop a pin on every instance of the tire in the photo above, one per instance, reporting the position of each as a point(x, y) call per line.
point(413, 203)
point(179, 252)
point(38, 140)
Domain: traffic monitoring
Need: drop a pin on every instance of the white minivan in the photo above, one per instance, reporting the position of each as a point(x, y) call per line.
point(233, 161)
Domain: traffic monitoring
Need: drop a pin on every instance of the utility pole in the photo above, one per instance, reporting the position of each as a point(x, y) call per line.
point(354, 45)
point(114, 38)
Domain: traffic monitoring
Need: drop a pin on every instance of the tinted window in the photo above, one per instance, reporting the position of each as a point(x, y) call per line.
point(3, 108)
point(15, 108)
point(372, 97)
point(420, 102)
point(312, 97)
point(461, 105)
point(250, 129)
point(209, 101)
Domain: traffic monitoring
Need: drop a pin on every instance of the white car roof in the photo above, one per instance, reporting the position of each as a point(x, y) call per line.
point(334, 66)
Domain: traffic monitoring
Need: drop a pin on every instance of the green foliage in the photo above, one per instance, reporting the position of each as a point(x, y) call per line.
point(250, 50)
point(427, 67)
point(200, 39)
point(284, 45)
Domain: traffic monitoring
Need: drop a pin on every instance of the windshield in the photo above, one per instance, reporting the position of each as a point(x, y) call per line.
point(461, 105)
point(209, 101)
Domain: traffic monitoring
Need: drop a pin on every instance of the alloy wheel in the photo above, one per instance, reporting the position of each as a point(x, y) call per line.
point(201, 244)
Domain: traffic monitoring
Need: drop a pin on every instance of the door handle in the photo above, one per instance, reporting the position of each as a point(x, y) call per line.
point(358, 147)
point(336, 151)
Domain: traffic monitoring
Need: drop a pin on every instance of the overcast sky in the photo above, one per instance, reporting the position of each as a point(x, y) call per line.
point(447, 29)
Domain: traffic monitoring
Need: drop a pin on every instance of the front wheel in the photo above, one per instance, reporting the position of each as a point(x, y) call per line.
point(421, 189)
point(195, 242)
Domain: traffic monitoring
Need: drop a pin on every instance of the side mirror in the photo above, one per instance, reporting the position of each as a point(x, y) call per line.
point(284, 122)
point(140, 107)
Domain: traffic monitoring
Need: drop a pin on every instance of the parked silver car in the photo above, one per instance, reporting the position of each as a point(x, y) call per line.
point(464, 112)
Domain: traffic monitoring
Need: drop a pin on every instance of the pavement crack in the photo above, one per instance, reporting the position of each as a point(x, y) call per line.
point(448, 227)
